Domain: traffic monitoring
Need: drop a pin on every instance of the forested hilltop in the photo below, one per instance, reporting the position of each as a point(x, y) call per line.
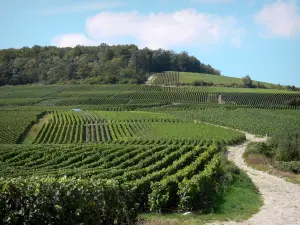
point(101, 64)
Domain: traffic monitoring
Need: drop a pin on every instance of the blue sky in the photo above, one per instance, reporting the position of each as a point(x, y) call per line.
point(256, 37)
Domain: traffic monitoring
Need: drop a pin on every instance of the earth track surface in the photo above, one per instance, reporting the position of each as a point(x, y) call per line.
point(281, 198)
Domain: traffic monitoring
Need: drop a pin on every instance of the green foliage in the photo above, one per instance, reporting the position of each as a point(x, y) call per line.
point(65, 201)
point(165, 79)
point(293, 102)
point(165, 194)
point(292, 166)
point(259, 85)
point(135, 115)
point(222, 81)
point(20, 101)
point(258, 99)
point(194, 131)
point(100, 126)
point(143, 142)
point(282, 150)
point(286, 145)
point(247, 82)
point(163, 164)
point(14, 125)
point(129, 97)
point(259, 148)
point(201, 83)
point(201, 191)
point(292, 88)
point(256, 121)
point(101, 64)
point(241, 192)
point(190, 77)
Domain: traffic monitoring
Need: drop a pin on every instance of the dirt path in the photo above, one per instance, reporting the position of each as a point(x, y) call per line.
point(34, 130)
point(281, 198)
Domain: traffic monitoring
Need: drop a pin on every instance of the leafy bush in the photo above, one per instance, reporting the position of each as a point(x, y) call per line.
point(201, 83)
point(293, 166)
point(259, 85)
point(198, 83)
point(65, 201)
point(164, 194)
point(292, 88)
point(293, 102)
point(235, 85)
point(259, 148)
point(287, 146)
point(247, 82)
point(283, 150)
point(15, 124)
point(201, 191)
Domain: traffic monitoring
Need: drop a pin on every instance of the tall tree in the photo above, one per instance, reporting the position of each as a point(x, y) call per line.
point(247, 82)
point(103, 63)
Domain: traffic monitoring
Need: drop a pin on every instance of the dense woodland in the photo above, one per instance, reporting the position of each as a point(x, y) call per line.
point(102, 64)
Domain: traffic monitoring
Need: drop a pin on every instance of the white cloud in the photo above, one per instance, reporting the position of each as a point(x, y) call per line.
point(88, 6)
point(71, 40)
point(161, 30)
point(212, 1)
point(280, 19)
point(250, 2)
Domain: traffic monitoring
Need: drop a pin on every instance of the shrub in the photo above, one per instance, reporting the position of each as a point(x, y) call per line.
point(202, 190)
point(65, 201)
point(293, 102)
point(164, 195)
point(292, 88)
point(259, 148)
point(198, 83)
point(247, 82)
point(259, 85)
point(293, 166)
point(287, 146)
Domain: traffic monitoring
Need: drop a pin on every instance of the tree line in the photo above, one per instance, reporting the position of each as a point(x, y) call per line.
point(101, 64)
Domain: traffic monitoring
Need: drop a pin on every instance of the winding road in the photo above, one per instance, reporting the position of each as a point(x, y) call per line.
point(281, 198)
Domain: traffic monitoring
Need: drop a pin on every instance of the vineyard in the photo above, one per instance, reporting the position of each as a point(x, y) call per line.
point(174, 78)
point(256, 121)
point(101, 126)
point(123, 97)
point(144, 166)
point(107, 152)
point(14, 124)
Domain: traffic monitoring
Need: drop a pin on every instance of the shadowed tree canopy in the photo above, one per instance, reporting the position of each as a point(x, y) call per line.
point(98, 64)
point(247, 82)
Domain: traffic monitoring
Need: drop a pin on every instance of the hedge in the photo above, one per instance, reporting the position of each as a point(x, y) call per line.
point(37, 201)
point(292, 166)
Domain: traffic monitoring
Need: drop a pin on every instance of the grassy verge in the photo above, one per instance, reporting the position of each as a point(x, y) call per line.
point(240, 202)
point(256, 156)
point(35, 129)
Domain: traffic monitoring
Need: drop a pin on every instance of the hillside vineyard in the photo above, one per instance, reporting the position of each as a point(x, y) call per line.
point(108, 152)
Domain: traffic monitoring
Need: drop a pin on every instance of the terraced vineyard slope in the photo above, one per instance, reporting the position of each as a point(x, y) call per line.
point(175, 78)
point(89, 153)
point(141, 165)
point(101, 126)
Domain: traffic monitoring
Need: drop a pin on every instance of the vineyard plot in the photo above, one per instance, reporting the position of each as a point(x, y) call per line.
point(99, 127)
point(164, 91)
point(153, 140)
point(256, 121)
point(143, 166)
point(14, 124)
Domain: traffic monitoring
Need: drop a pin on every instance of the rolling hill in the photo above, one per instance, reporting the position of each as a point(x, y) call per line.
point(172, 77)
